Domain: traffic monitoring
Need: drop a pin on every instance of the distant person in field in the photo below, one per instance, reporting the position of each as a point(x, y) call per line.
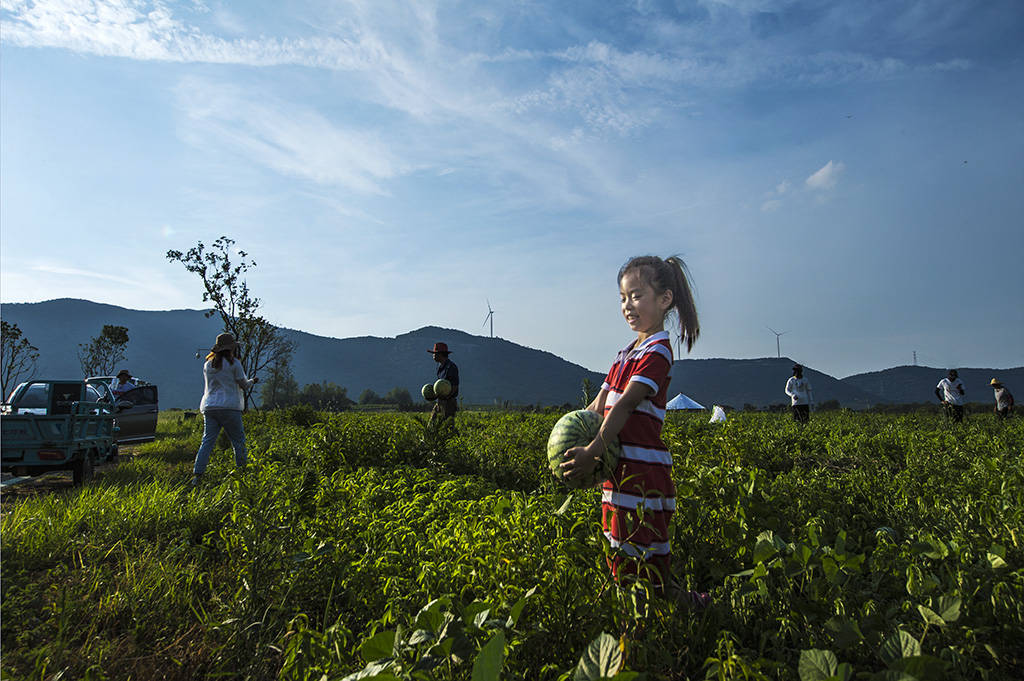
point(799, 390)
point(950, 392)
point(445, 407)
point(122, 384)
point(1004, 399)
point(222, 403)
point(632, 402)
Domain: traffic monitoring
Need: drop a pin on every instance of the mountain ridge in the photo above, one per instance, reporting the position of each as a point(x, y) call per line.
point(494, 371)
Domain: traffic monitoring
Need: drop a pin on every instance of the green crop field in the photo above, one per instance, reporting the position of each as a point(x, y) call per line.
point(366, 545)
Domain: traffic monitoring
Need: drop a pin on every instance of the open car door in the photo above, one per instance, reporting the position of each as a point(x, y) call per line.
point(136, 412)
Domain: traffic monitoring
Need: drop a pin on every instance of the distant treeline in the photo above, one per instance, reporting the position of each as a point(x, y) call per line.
point(279, 392)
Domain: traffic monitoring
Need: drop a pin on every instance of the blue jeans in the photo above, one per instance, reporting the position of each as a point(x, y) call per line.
point(215, 419)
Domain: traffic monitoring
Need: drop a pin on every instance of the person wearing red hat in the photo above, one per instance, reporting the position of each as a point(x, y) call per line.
point(445, 407)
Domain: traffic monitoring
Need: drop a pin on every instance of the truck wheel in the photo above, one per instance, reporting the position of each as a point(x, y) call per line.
point(81, 472)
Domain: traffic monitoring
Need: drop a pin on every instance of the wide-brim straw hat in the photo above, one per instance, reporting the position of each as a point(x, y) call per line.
point(440, 348)
point(125, 372)
point(225, 341)
point(994, 381)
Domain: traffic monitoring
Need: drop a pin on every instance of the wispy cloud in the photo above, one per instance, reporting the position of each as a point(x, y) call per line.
point(138, 29)
point(825, 177)
point(289, 138)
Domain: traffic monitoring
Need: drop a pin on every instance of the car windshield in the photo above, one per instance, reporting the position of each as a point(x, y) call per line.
point(34, 397)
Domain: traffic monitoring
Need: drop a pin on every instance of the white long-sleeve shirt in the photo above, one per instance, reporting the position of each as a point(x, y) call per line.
point(224, 386)
point(799, 390)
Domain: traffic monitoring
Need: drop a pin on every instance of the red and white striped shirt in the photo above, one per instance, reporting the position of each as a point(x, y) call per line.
point(644, 473)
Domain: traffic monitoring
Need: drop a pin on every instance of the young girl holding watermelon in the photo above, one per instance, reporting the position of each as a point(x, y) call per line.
point(632, 401)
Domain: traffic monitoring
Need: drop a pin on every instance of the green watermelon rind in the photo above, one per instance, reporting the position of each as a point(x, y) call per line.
point(576, 429)
point(442, 388)
point(427, 391)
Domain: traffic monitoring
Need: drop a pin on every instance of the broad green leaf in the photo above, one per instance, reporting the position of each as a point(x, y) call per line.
point(930, 617)
point(947, 607)
point(922, 667)
point(429, 617)
point(487, 666)
point(378, 647)
point(517, 609)
point(898, 646)
point(764, 548)
point(996, 561)
point(817, 665)
point(845, 632)
point(844, 672)
point(502, 507)
point(375, 670)
point(565, 505)
point(421, 636)
point(602, 658)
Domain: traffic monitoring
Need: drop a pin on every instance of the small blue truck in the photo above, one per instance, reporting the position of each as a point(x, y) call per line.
point(73, 430)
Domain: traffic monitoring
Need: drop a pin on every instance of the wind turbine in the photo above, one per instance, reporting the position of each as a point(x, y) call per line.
point(489, 317)
point(778, 346)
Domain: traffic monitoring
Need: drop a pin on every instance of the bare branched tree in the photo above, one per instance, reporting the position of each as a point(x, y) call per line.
point(18, 357)
point(222, 270)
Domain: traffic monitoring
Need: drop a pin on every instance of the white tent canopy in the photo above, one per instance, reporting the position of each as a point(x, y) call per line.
point(681, 401)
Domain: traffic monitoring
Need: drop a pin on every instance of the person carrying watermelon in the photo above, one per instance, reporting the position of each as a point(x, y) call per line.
point(632, 400)
point(446, 405)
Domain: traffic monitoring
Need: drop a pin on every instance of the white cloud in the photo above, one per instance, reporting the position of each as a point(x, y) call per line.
point(286, 137)
point(826, 176)
point(771, 205)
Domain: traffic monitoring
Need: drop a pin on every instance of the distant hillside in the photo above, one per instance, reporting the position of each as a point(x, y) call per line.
point(760, 382)
point(908, 384)
point(494, 371)
point(163, 346)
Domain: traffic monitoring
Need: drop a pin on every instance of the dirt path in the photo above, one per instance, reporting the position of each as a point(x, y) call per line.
point(56, 481)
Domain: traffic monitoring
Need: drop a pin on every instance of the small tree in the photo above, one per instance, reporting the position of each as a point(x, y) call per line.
point(101, 355)
point(18, 357)
point(325, 396)
point(588, 392)
point(369, 397)
point(399, 397)
point(262, 344)
point(280, 389)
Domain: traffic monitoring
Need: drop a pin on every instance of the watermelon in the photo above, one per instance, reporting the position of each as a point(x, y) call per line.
point(428, 392)
point(577, 429)
point(442, 388)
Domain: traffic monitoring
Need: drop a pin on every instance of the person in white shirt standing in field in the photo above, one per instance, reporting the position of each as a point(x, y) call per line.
point(950, 392)
point(799, 390)
point(222, 404)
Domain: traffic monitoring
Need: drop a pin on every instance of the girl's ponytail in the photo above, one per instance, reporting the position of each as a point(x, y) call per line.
point(682, 301)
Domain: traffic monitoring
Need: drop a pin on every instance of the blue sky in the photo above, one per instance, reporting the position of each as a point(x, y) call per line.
point(847, 172)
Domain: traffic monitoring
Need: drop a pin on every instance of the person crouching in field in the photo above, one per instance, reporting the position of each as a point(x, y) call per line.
point(950, 392)
point(1004, 400)
point(632, 400)
point(222, 403)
